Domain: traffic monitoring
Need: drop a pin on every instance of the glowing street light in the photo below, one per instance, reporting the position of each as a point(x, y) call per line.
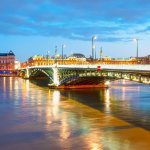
point(93, 46)
point(63, 46)
point(137, 46)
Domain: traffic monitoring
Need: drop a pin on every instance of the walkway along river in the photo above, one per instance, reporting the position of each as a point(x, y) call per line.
point(35, 117)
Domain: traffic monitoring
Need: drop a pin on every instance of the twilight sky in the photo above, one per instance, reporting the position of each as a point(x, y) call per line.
point(30, 27)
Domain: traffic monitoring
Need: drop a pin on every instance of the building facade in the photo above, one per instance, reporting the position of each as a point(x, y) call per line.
point(77, 57)
point(7, 61)
point(144, 60)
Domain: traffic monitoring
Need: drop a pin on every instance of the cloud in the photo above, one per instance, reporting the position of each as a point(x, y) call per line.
point(145, 30)
point(75, 19)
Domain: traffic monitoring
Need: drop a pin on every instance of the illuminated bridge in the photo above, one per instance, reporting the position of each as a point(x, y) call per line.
point(78, 76)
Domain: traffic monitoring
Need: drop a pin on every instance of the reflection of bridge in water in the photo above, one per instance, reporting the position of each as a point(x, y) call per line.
point(85, 76)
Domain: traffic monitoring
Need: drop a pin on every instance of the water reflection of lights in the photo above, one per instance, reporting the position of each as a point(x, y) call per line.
point(49, 92)
point(52, 113)
point(25, 87)
point(27, 84)
point(95, 142)
point(10, 82)
point(123, 89)
point(96, 146)
point(65, 131)
point(16, 84)
point(56, 97)
point(55, 102)
point(123, 93)
point(138, 89)
point(10, 86)
point(99, 140)
point(4, 84)
point(39, 95)
point(123, 82)
point(107, 100)
point(48, 117)
point(16, 87)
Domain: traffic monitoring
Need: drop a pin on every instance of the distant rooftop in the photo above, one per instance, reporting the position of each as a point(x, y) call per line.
point(10, 53)
point(77, 55)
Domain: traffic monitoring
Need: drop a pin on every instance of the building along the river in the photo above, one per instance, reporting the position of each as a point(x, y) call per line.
point(7, 63)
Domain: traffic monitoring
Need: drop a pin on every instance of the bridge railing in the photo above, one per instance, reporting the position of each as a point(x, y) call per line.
point(108, 67)
point(127, 67)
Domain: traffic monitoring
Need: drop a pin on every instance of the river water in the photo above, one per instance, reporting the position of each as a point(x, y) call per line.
point(37, 118)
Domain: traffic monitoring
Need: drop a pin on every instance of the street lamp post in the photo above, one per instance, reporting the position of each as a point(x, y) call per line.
point(93, 47)
point(101, 53)
point(47, 57)
point(48, 54)
point(137, 47)
point(55, 54)
point(63, 46)
point(95, 51)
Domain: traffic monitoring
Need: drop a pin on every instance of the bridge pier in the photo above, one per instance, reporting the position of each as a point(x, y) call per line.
point(26, 74)
point(56, 76)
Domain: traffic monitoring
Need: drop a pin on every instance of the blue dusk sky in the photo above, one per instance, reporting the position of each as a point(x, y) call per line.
point(31, 27)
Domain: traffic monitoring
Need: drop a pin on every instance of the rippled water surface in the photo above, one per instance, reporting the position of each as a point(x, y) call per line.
point(34, 117)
